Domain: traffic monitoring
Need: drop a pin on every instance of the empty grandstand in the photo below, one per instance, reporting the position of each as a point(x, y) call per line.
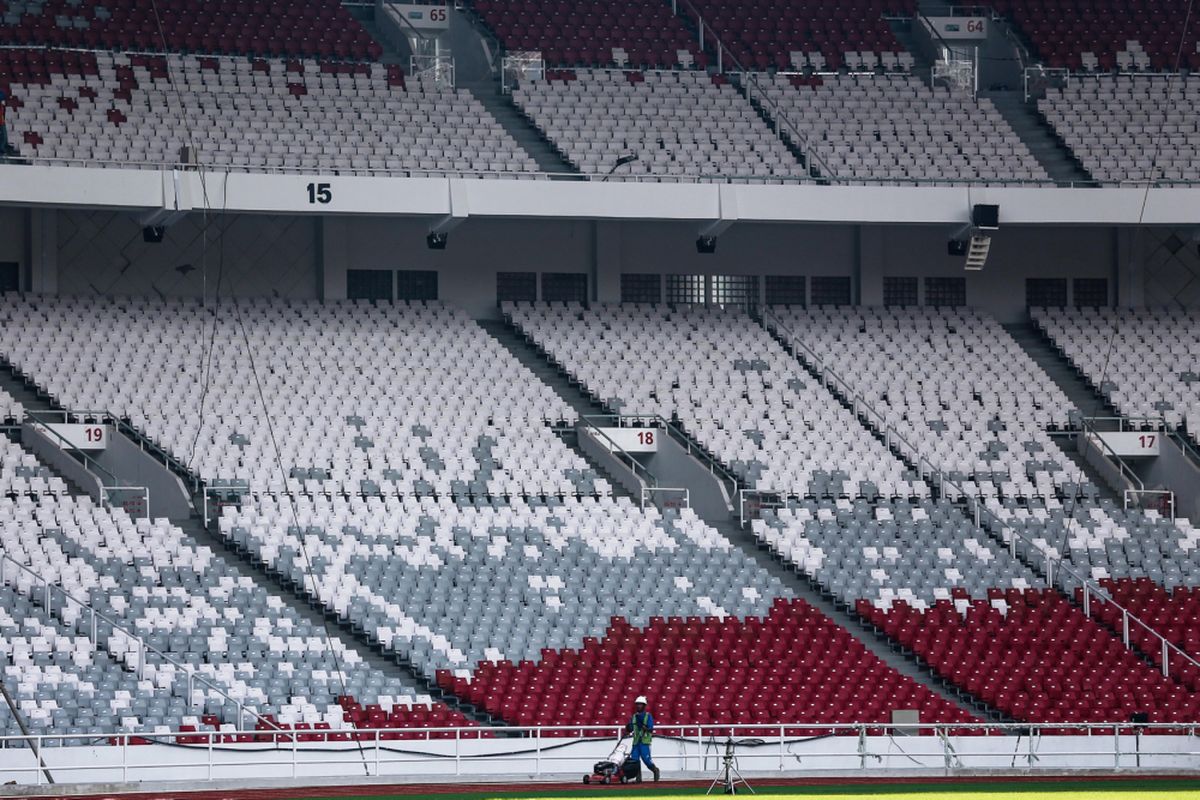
point(398, 390)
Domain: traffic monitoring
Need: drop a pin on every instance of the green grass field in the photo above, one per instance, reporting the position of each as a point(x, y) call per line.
point(1155, 789)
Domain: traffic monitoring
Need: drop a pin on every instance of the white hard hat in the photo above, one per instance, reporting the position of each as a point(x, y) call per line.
point(641, 698)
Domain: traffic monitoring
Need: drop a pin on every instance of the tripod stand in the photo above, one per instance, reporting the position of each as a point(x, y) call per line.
point(729, 777)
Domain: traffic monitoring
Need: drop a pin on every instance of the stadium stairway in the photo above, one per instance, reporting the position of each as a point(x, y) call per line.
point(546, 371)
point(1045, 145)
point(877, 642)
point(795, 148)
point(31, 400)
point(517, 126)
point(1085, 397)
point(542, 366)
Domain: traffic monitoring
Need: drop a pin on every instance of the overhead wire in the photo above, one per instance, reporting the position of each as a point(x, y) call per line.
point(1134, 251)
point(208, 353)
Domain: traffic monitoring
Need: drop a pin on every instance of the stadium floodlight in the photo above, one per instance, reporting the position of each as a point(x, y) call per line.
point(627, 158)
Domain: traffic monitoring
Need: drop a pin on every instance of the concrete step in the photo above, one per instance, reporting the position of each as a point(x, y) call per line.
point(877, 642)
point(540, 364)
point(518, 126)
point(1043, 142)
point(1078, 390)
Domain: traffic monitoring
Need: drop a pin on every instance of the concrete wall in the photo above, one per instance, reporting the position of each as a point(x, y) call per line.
point(674, 468)
point(1174, 471)
point(85, 252)
point(123, 458)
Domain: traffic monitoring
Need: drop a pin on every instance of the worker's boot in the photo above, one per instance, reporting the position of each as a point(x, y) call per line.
point(656, 773)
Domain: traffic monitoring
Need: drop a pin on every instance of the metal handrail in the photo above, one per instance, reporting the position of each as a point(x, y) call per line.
point(48, 588)
point(1089, 587)
point(89, 463)
point(693, 446)
point(763, 749)
point(1093, 435)
point(750, 78)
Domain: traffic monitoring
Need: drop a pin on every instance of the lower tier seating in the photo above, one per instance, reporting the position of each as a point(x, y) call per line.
point(1153, 370)
point(396, 569)
point(792, 666)
point(181, 600)
point(1039, 659)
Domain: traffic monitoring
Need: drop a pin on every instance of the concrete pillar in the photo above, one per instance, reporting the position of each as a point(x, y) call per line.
point(871, 257)
point(607, 262)
point(332, 257)
point(1130, 257)
point(42, 258)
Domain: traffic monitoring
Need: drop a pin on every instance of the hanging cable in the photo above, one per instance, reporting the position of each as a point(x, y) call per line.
point(1135, 240)
point(207, 353)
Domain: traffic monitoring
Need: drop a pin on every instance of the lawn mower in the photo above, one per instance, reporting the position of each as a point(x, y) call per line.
point(616, 769)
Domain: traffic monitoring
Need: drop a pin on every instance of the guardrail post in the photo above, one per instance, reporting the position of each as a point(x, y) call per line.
point(1087, 600)
point(212, 734)
point(1166, 669)
point(862, 747)
point(377, 752)
point(1117, 747)
point(1125, 627)
point(537, 763)
point(294, 755)
point(457, 751)
point(125, 758)
point(781, 748)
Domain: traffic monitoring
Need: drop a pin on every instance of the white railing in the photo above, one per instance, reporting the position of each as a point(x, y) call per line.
point(762, 750)
point(1052, 561)
point(49, 590)
point(649, 492)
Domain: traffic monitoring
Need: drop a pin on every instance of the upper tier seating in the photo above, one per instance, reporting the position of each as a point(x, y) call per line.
point(731, 385)
point(184, 601)
point(313, 28)
point(392, 399)
point(247, 114)
point(1154, 368)
point(688, 125)
point(1130, 128)
point(793, 35)
point(957, 387)
point(594, 33)
point(1130, 35)
point(895, 127)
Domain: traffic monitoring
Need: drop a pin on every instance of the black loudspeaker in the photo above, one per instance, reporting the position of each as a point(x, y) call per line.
point(436, 241)
point(706, 245)
point(985, 217)
point(956, 247)
point(1139, 718)
point(153, 234)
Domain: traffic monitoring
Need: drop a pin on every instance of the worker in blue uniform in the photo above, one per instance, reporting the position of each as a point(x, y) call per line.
point(641, 727)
